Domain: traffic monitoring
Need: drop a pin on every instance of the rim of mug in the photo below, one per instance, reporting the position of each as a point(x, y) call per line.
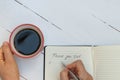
point(18, 29)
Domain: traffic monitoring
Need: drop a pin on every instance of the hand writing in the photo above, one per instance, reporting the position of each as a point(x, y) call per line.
point(8, 66)
point(78, 69)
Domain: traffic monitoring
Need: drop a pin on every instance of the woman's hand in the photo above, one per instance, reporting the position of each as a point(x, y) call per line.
point(8, 66)
point(78, 69)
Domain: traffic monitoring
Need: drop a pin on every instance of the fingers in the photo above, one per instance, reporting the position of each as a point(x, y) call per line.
point(76, 64)
point(1, 54)
point(7, 52)
point(78, 69)
point(64, 75)
point(1, 57)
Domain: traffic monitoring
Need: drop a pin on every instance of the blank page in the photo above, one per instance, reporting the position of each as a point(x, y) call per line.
point(55, 55)
point(107, 61)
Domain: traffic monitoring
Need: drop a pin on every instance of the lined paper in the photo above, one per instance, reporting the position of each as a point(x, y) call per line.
point(107, 63)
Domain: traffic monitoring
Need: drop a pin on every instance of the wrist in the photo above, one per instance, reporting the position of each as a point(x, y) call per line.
point(89, 77)
point(86, 76)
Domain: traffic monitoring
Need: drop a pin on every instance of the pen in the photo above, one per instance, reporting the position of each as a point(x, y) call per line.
point(71, 73)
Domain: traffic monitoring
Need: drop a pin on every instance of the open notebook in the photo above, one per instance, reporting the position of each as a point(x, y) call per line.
point(102, 62)
point(4, 36)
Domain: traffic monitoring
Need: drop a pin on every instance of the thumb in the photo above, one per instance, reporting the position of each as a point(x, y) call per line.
point(7, 52)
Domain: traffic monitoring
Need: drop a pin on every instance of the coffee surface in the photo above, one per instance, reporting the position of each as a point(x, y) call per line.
point(27, 41)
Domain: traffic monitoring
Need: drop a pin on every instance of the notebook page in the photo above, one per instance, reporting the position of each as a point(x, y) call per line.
point(107, 60)
point(54, 55)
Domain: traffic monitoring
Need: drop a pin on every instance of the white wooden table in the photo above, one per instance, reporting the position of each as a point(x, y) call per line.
point(63, 22)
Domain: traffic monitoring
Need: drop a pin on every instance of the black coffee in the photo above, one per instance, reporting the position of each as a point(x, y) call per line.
point(27, 41)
